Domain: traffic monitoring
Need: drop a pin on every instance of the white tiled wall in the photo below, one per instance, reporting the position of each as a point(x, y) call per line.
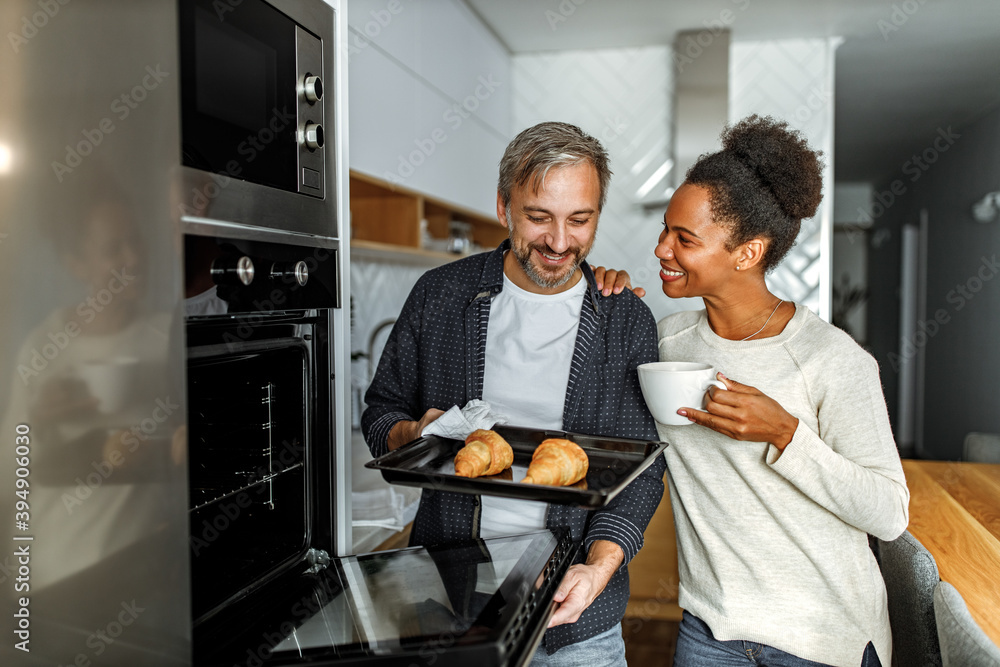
point(793, 80)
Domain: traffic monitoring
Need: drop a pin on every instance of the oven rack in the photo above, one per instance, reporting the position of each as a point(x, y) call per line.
point(245, 487)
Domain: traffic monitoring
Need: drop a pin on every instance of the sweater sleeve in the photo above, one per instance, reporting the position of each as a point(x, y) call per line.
point(851, 467)
point(624, 520)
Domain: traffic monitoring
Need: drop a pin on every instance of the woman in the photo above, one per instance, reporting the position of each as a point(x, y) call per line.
point(778, 481)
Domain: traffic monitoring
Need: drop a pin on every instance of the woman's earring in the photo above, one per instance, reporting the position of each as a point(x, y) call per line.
point(737, 267)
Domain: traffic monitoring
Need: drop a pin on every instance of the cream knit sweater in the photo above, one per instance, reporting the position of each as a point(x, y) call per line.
point(773, 546)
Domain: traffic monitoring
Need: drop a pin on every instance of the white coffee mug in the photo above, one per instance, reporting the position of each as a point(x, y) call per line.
point(669, 386)
point(112, 382)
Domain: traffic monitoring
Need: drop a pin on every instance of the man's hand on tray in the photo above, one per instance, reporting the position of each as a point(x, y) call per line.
point(407, 431)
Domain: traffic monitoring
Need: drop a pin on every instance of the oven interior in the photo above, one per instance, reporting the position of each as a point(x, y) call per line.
point(247, 464)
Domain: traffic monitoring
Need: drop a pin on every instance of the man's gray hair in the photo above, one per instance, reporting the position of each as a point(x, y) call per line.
point(537, 149)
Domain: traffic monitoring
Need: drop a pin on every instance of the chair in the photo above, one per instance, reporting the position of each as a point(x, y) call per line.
point(911, 576)
point(981, 448)
point(963, 643)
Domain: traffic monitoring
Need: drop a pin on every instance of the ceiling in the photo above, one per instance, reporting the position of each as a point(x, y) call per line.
point(905, 68)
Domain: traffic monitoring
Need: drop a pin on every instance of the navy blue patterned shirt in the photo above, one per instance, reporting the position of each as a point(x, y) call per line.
point(434, 358)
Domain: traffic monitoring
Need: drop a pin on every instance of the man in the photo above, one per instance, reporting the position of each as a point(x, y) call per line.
point(526, 329)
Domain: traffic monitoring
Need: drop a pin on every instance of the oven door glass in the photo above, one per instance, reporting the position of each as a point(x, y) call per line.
point(247, 441)
point(238, 91)
point(484, 602)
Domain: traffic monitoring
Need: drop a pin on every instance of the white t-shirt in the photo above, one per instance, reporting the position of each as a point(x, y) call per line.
point(206, 303)
point(529, 350)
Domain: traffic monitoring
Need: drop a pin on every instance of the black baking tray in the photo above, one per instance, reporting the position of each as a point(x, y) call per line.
point(428, 462)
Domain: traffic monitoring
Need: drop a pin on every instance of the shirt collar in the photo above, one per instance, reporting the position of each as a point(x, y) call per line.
point(491, 279)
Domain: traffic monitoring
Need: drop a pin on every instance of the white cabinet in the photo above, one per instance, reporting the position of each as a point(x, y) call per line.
point(429, 98)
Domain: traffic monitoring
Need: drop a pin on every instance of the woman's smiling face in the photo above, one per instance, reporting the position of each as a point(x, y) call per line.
point(692, 250)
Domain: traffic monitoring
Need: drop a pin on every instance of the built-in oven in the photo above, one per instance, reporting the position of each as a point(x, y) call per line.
point(260, 412)
point(255, 112)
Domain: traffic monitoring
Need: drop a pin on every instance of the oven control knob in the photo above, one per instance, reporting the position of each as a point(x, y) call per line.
point(230, 271)
point(313, 136)
point(312, 89)
point(297, 272)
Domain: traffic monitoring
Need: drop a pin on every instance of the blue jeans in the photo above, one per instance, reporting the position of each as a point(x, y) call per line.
point(604, 650)
point(696, 647)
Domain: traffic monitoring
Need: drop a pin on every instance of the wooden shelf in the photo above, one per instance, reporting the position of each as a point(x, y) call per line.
point(388, 214)
point(399, 254)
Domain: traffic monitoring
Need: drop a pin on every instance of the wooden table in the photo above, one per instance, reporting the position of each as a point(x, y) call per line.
point(955, 513)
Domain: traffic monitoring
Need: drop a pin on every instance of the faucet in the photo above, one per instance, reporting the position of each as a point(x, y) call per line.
point(371, 344)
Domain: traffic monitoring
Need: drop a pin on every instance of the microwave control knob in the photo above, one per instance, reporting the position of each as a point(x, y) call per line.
point(313, 136)
point(312, 89)
point(297, 272)
point(226, 271)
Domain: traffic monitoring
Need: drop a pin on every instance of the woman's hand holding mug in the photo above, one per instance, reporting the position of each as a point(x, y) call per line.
point(742, 412)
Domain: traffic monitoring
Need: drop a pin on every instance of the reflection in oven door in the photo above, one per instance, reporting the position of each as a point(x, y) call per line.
point(482, 602)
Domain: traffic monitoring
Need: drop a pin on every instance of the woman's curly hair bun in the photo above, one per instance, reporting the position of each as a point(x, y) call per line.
point(762, 184)
point(782, 160)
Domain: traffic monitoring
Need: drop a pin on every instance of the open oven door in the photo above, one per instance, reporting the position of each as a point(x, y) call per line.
point(484, 602)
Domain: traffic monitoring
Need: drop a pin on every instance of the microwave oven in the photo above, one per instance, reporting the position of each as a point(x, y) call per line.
point(255, 114)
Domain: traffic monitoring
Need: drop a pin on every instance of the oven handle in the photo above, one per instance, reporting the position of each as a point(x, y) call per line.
point(233, 350)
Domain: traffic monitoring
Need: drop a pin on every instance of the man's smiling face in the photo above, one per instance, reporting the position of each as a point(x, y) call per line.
point(552, 229)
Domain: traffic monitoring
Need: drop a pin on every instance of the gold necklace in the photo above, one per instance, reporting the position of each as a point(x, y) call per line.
point(765, 322)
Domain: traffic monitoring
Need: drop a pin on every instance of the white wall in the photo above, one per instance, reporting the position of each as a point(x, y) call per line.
point(430, 98)
point(793, 80)
point(624, 98)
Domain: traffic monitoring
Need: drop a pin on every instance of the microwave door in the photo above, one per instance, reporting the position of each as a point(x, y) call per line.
point(239, 92)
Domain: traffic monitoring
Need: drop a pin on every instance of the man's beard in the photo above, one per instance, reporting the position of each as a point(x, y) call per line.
point(541, 277)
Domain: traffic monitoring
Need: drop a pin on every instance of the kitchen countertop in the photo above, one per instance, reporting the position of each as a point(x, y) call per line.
point(955, 514)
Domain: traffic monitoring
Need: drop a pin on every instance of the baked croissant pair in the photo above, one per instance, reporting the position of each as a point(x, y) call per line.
point(555, 462)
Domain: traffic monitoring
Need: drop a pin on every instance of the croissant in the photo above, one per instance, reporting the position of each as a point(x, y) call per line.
point(485, 453)
point(557, 462)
